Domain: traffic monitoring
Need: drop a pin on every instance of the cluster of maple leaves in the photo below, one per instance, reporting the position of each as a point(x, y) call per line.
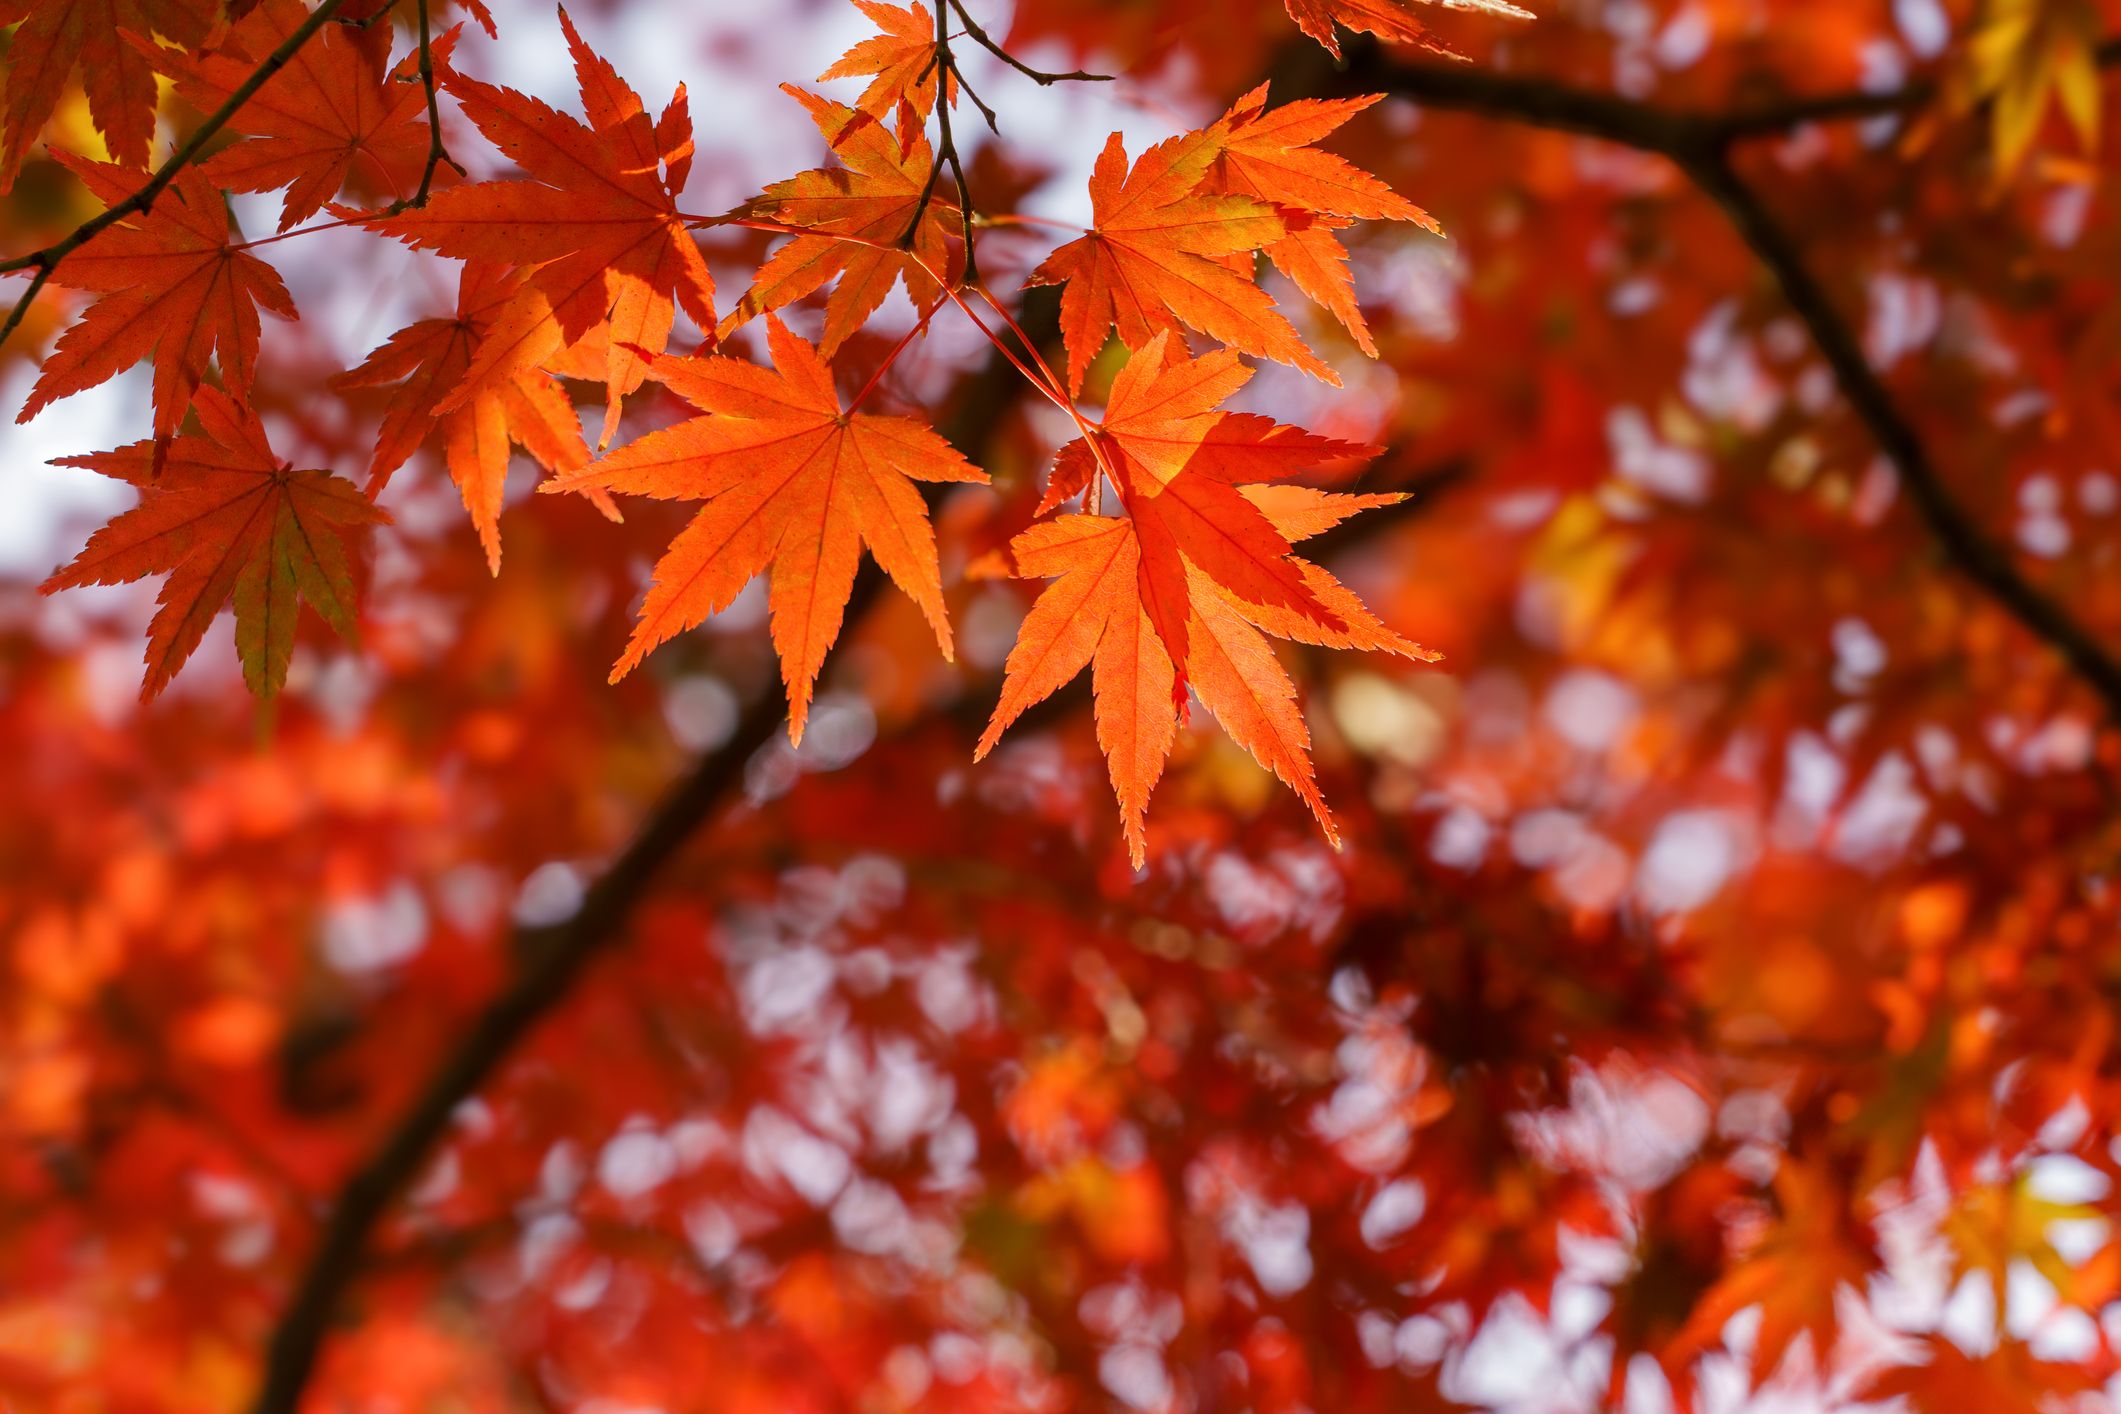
point(579, 266)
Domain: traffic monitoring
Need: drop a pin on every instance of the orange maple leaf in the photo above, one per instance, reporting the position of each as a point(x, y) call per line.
point(1177, 462)
point(331, 116)
point(428, 359)
point(1154, 260)
point(597, 218)
point(226, 520)
point(2019, 56)
point(172, 288)
point(2008, 1380)
point(1269, 155)
point(1390, 20)
point(1814, 1250)
point(51, 41)
point(793, 484)
point(1116, 609)
point(861, 212)
point(902, 60)
point(1094, 613)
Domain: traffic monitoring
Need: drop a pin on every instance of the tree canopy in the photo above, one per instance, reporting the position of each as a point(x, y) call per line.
point(1164, 705)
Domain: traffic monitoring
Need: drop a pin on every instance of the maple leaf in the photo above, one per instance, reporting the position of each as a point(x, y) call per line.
point(1814, 1251)
point(1098, 613)
point(171, 287)
point(52, 40)
point(1390, 20)
point(426, 360)
point(1993, 1225)
point(2020, 55)
point(1269, 155)
point(329, 116)
point(2008, 1380)
point(902, 60)
point(597, 218)
point(1093, 615)
point(794, 485)
point(226, 520)
point(861, 211)
point(1176, 461)
point(1153, 261)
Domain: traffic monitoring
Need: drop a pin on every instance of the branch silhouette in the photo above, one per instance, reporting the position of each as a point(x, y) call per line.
point(1700, 144)
point(46, 261)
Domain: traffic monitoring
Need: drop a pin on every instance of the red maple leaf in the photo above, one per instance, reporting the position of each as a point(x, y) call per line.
point(226, 520)
point(424, 361)
point(597, 218)
point(171, 286)
point(330, 118)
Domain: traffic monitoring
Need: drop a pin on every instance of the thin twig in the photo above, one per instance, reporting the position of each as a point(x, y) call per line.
point(46, 261)
point(436, 153)
point(986, 42)
point(945, 72)
point(986, 113)
point(946, 149)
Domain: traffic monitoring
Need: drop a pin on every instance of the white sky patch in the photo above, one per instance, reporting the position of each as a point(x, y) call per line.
point(1690, 857)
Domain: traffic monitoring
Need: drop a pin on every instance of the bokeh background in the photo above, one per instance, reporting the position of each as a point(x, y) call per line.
point(1713, 1001)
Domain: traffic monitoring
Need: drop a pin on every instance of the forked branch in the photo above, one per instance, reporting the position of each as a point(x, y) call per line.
point(437, 154)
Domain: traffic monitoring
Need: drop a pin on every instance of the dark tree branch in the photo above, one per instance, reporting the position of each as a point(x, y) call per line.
point(46, 261)
point(1699, 145)
point(436, 153)
point(1772, 119)
point(1972, 552)
point(554, 959)
point(985, 41)
point(946, 143)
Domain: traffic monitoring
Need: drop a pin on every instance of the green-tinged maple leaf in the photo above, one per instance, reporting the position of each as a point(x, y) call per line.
point(331, 116)
point(55, 38)
point(2023, 54)
point(902, 62)
point(1392, 21)
point(226, 520)
point(794, 485)
point(1992, 1225)
point(597, 218)
point(171, 286)
point(1153, 261)
point(871, 199)
point(424, 361)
